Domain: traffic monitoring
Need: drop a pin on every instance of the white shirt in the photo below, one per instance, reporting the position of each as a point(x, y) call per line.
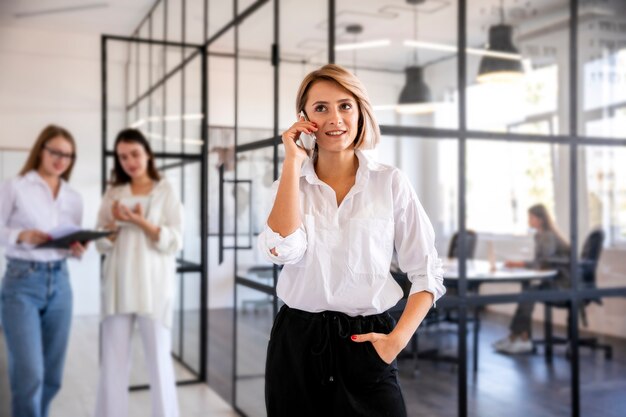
point(139, 274)
point(339, 258)
point(27, 202)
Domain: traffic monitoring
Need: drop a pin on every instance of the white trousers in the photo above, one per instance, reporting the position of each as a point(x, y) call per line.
point(115, 363)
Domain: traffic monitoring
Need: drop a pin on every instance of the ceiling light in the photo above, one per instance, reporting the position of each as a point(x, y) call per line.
point(471, 51)
point(415, 97)
point(499, 69)
point(362, 45)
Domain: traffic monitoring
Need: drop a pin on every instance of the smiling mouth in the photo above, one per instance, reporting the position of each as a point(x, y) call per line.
point(335, 133)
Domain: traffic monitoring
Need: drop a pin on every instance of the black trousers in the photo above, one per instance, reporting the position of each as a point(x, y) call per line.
point(314, 369)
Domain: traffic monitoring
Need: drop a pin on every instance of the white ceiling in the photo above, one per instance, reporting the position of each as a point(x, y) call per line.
point(119, 17)
point(303, 29)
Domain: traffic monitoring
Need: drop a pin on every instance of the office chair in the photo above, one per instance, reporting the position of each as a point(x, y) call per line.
point(587, 266)
point(471, 239)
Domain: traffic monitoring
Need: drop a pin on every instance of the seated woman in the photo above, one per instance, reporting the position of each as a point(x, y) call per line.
point(549, 246)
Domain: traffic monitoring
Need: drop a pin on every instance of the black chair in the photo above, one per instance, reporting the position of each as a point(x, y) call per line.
point(471, 239)
point(587, 266)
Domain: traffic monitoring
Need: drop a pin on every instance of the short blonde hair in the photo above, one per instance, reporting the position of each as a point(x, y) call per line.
point(368, 133)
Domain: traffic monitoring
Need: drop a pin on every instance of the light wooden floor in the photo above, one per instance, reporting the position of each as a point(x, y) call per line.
point(78, 395)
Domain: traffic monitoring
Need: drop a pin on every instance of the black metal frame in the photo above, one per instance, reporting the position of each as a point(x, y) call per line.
point(464, 301)
point(184, 266)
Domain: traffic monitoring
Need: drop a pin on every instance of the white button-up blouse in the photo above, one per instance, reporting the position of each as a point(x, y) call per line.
point(27, 202)
point(139, 275)
point(339, 259)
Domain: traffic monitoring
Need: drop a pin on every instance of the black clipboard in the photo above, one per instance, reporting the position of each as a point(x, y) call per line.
point(81, 236)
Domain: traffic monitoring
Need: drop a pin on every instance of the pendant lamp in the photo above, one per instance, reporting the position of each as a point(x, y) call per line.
point(500, 69)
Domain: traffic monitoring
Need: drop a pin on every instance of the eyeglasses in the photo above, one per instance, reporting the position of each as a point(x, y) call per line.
point(60, 155)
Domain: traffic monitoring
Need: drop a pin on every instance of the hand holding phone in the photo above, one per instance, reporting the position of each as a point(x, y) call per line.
point(307, 140)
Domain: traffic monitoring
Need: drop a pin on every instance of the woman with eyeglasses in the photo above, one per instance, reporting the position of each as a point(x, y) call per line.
point(338, 217)
point(36, 294)
point(138, 276)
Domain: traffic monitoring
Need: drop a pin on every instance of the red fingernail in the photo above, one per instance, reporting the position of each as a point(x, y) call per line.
point(353, 337)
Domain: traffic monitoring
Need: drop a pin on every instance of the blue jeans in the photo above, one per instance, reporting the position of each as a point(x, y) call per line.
point(36, 313)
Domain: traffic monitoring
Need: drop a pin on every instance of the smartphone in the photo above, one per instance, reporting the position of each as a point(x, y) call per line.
point(307, 140)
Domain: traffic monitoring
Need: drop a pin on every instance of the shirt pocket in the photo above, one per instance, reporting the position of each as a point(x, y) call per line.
point(309, 228)
point(370, 246)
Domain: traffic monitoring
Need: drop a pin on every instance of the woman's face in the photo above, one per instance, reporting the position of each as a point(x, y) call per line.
point(534, 222)
point(336, 114)
point(134, 159)
point(56, 156)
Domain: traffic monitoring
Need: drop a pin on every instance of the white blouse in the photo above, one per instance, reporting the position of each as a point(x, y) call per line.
point(27, 202)
point(139, 274)
point(339, 259)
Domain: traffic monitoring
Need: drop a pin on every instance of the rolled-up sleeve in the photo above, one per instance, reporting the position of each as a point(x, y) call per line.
point(289, 249)
point(282, 250)
point(415, 241)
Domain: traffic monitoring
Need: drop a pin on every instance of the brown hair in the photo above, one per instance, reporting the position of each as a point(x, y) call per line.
point(120, 177)
point(368, 133)
point(48, 133)
point(547, 224)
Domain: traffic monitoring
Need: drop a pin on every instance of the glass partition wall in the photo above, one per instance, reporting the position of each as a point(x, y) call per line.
point(490, 108)
point(154, 81)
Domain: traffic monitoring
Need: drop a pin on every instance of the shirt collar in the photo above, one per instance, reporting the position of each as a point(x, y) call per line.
point(33, 176)
point(366, 165)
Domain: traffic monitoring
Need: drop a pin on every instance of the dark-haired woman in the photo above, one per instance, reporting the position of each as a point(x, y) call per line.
point(549, 246)
point(36, 293)
point(138, 279)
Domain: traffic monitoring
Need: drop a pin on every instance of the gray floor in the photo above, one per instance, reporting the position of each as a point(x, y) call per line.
point(511, 386)
point(78, 395)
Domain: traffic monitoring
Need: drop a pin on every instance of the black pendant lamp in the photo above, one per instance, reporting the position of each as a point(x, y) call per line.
point(502, 62)
point(415, 97)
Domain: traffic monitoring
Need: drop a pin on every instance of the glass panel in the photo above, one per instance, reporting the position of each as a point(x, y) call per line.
point(221, 13)
point(191, 329)
point(120, 69)
point(255, 109)
point(406, 62)
point(253, 331)
point(511, 377)
point(602, 215)
point(255, 200)
point(498, 214)
point(601, 388)
point(194, 11)
point(602, 59)
point(174, 23)
point(518, 55)
point(303, 48)
point(221, 95)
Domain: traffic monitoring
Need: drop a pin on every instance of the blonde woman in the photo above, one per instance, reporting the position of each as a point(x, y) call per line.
point(139, 277)
point(336, 220)
point(36, 293)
